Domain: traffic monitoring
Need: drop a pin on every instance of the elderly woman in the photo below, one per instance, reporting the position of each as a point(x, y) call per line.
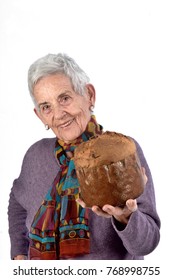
point(50, 221)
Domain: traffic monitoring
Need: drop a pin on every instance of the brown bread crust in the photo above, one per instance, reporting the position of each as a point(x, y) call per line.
point(108, 170)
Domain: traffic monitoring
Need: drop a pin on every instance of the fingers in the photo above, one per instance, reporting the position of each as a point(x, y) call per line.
point(81, 202)
point(131, 205)
point(97, 210)
point(121, 214)
point(144, 175)
point(20, 257)
point(111, 210)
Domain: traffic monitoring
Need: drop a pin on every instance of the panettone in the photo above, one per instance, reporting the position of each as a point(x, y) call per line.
point(108, 170)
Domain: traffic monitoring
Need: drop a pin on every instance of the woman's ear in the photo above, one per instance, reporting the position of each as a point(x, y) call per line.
point(41, 118)
point(38, 114)
point(91, 93)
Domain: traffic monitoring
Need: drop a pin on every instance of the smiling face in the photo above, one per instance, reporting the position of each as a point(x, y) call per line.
point(66, 112)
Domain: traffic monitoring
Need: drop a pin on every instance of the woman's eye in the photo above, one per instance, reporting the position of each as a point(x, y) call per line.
point(65, 100)
point(46, 109)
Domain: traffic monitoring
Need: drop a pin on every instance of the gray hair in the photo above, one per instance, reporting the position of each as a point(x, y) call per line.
point(57, 64)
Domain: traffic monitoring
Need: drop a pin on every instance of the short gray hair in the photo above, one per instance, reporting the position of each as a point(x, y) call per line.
point(57, 64)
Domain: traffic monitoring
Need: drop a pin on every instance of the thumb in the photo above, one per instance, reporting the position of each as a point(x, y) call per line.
point(131, 205)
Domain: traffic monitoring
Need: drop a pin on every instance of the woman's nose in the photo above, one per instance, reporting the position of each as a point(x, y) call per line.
point(59, 113)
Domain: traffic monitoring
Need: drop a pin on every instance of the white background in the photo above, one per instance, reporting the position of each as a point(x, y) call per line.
point(126, 47)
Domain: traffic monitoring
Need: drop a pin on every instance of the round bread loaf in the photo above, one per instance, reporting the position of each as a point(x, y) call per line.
point(108, 170)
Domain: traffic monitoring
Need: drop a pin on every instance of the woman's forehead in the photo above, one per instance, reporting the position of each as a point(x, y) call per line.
point(53, 84)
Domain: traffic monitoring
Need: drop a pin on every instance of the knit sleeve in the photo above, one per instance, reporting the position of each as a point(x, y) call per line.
point(17, 226)
point(142, 233)
point(38, 170)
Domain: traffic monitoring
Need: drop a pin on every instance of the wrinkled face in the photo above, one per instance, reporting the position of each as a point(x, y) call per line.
point(66, 112)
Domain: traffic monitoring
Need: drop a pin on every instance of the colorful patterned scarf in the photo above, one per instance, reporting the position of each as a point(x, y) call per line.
point(60, 227)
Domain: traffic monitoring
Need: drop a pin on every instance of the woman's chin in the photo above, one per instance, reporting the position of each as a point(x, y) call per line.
point(69, 137)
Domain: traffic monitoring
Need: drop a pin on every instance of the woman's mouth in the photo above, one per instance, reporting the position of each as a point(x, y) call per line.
point(66, 124)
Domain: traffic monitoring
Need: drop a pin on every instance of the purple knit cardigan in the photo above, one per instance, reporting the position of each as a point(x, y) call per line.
point(109, 239)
